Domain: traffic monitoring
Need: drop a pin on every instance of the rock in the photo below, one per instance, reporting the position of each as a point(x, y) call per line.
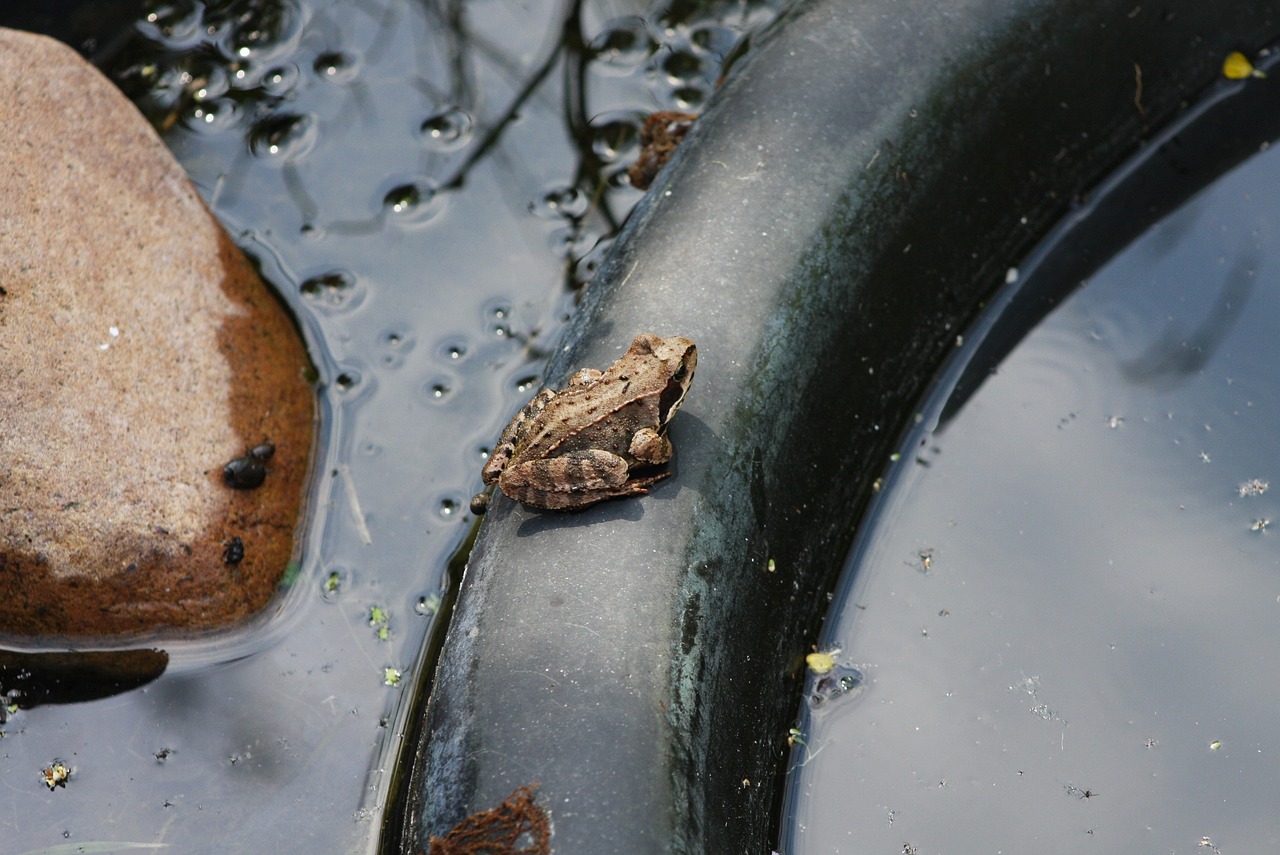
point(139, 354)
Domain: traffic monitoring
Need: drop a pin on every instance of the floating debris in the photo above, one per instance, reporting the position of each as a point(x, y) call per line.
point(56, 775)
point(1253, 487)
point(391, 676)
point(841, 680)
point(1259, 524)
point(660, 135)
point(515, 827)
point(1237, 67)
point(380, 620)
point(822, 662)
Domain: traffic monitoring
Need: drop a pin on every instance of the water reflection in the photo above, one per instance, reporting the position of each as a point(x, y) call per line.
point(1087, 660)
point(403, 172)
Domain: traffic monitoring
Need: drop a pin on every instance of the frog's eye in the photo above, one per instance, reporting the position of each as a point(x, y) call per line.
point(681, 372)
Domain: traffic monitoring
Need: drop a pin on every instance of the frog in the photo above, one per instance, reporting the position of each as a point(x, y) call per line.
point(598, 438)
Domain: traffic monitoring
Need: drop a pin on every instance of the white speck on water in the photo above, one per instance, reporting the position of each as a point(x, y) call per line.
point(1253, 487)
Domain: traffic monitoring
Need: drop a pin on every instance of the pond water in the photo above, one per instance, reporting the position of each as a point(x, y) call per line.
point(1057, 631)
point(428, 185)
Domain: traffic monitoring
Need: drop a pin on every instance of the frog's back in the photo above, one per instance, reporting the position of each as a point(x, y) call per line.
point(593, 418)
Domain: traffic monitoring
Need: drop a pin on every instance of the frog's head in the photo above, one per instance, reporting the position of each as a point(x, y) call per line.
point(677, 358)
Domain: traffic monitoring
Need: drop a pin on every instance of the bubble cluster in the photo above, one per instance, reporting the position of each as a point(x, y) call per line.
point(624, 43)
point(333, 290)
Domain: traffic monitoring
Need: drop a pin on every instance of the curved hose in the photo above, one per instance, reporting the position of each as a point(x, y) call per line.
point(856, 191)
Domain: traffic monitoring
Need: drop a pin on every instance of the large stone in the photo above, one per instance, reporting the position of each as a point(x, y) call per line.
point(139, 353)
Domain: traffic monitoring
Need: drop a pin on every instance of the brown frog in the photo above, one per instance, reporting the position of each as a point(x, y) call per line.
point(569, 449)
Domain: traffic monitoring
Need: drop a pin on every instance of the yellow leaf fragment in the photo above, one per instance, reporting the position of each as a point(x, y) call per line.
point(1237, 67)
point(821, 663)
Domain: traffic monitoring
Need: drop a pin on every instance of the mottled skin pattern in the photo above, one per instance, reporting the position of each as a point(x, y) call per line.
point(572, 448)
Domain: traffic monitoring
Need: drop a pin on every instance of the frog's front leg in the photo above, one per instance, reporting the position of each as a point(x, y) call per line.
point(649, 447)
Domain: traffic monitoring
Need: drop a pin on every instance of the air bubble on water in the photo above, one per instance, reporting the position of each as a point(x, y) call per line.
point(527, 384)
point(715, 39)
point(287, 136)
point(624, 43)
point(395, 344)
point(268, 30)
point(278, 81)
point(214, 115)
point(498, 314)
point(614, 135)
point(682, 67)
point(437, 390)
point(448, 129)
point(689, 97)
point(174, 25)
point(336, 66)
point(209, 82)
point(453, 350)
point(411, 202)
point(333, 289)
point(562, 202)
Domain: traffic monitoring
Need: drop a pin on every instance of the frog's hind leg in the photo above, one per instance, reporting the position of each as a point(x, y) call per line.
point(578, 500)
point(572, 481)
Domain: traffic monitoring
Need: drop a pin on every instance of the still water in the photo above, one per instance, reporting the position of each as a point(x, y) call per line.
point(1058, 630)
point(428, 186)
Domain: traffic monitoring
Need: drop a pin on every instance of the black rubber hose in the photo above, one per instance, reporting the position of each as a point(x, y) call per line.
point(857, 189)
